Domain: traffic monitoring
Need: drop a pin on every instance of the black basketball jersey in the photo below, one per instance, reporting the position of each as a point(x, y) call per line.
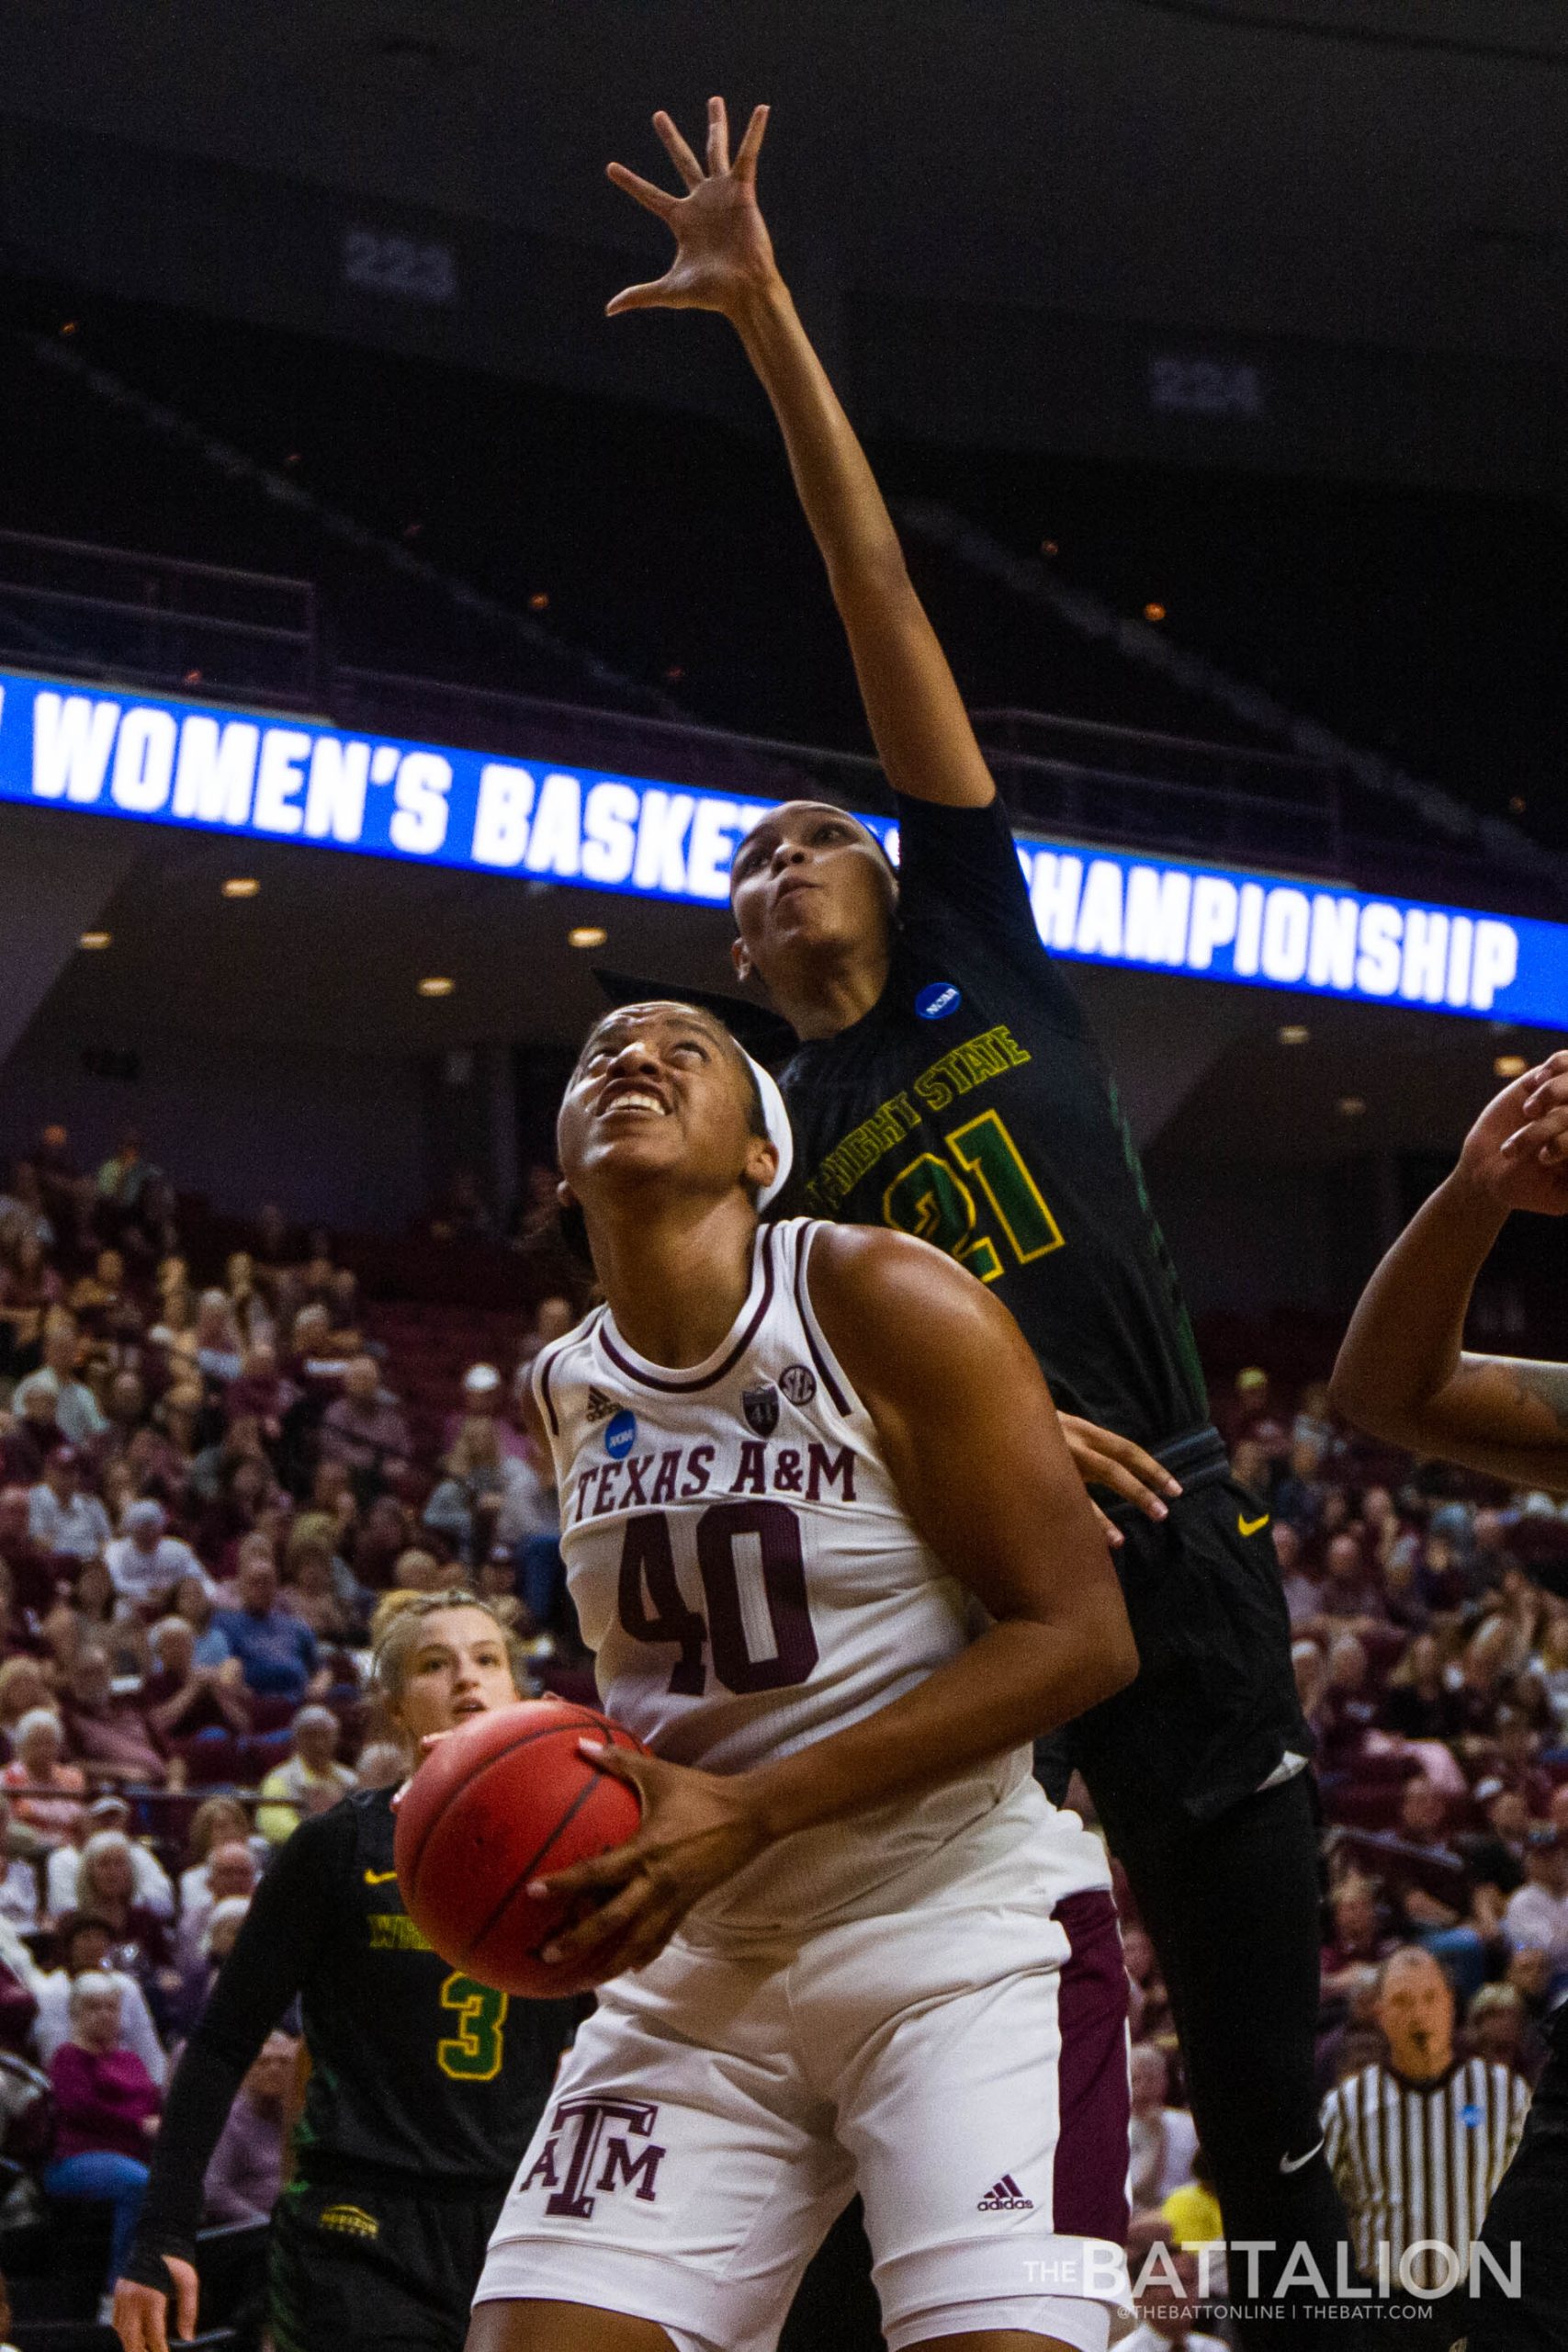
point(970, 1105)
point(416, 2069)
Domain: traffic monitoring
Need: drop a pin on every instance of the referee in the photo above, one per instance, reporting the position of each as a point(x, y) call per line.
point(1418, 2141)
point(946, 1083)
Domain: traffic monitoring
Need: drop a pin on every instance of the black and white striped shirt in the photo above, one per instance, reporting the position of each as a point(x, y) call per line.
point(1417, 2161)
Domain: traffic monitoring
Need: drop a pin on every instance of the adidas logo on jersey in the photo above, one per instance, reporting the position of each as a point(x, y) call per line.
point(599, 1406)
point(1006, 2197)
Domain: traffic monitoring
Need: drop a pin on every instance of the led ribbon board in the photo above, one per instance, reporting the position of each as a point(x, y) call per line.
point(260, 778)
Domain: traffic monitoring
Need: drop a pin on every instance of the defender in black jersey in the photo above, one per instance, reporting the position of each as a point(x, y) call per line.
point(945, 1081)
point(425, 2086)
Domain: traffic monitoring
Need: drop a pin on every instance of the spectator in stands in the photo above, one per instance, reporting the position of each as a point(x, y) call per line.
point(146, 1562)
point(33, 1567)
point(1459, 1924)
point(309, 1783)
point(417, 1570)
point(63, 1517)
point(364, 1430)
point(197, 1603)
point(1418, 1702)
point(122, 1177)
point(383, 1764)
point(185, 1700)
point(78, 1415)
point(1192, 2209)
point(252, 1317)
point(151, 1891)
point(261, 1394)
point(1351, 1600)
point(1163, 2138)
point(84, 1945)
point(1537, 1916)
point(22, 1205)
point(272, 1248)
point(1346, 1713)
point(1498, 2028)
point(107, 1729)
point(1358, 1939)
point(218, 1822)
point(245, 2174)
point(276, 1653)
point(29, 1290)
point(106, 2108)
point(484, 1400)
point(46, 1793)
point(106, 1881)
point(310, 1589)
point(486, 1496)
point(23, 1687)
point(387, 1530)
point(19, 1888)
point(220, 1353)
point(90, 1612)
point(232, 1876)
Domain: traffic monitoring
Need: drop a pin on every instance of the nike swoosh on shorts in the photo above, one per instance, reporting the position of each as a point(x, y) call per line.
point(1294, 2163)
point(1250, 1526)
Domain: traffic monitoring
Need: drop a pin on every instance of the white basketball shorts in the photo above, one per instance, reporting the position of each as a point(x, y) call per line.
point(960, 2061)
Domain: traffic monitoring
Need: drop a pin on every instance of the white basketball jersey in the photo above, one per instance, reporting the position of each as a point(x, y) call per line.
point(749, 1582)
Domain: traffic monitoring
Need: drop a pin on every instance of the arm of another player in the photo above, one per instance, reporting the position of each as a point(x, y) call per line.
point(277, 1941)
point(971, 1437)
point(1403, 1371)
point(724, 262)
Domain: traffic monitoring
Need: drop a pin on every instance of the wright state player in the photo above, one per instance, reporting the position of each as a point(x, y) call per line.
point(851, 1944)
point(946, 1083)
point(424, 2086)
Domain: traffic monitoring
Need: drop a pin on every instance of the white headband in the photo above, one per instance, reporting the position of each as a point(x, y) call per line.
point(776, 1118)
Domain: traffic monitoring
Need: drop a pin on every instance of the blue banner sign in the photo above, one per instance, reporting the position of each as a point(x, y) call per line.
point(265, 778)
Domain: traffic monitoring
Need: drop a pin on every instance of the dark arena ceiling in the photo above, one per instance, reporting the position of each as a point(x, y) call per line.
point(1008, 211)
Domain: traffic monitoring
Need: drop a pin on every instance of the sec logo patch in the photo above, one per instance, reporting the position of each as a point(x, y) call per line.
point(935, 1003)
point(798, 1382)
point(620, 1436)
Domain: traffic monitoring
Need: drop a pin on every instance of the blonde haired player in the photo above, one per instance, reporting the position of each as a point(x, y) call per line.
point(825, 1538)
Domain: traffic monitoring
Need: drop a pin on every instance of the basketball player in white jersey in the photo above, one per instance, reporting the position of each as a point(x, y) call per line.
point(826, 1541)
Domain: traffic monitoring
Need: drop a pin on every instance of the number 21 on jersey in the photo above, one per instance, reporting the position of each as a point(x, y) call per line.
point(757, 1628)
point(933, 1199)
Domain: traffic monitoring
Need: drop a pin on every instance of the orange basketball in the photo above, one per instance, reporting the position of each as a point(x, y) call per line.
point(501, 1800)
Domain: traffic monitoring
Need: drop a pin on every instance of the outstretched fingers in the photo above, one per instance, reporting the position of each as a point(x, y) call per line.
point(653, 199)
point(680, 154)
point(745, 161)
point(719, 137)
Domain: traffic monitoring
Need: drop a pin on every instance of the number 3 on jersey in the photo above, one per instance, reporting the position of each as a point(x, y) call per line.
point(472, 2055)
point(757, 1626)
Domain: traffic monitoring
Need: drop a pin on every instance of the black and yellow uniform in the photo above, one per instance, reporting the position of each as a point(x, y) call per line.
point(970, 1105)
point(424, 2090)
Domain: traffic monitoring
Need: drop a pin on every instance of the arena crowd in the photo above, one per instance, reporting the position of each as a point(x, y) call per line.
point(207, 1481)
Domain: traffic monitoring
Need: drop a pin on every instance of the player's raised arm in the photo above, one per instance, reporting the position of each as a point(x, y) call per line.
point(724, 261)
point(1403, 1371)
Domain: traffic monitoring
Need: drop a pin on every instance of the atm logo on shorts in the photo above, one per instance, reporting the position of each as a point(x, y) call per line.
point(1005, 2197)
point(582, 2133)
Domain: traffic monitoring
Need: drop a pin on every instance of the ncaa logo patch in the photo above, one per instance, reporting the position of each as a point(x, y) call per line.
point(798, 1382)
point(760, 1407)
point(620, 1436)
point(935, 1003)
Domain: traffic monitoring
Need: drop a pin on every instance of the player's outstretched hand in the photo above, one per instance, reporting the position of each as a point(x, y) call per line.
point(1103, 1459)
point(697, 1829)
point(723, 252)
point(141, 2313)
point(1516, 1153)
